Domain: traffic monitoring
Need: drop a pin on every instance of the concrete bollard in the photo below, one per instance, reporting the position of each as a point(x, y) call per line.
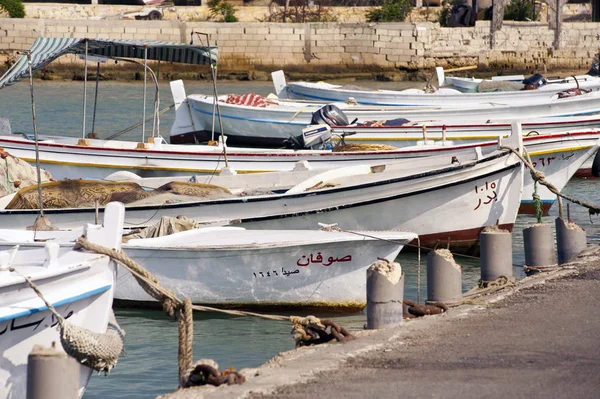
point(385, 292)
point(538, 243)
point(444, 277)
point(51, 374)
point(570, 240)
point(496, 253)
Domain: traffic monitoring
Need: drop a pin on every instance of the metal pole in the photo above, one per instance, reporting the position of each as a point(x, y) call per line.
point(84, 90)
point(144, 109)
point(213, 69)
point(558, 24)
point(96, 97)
point(35, 135)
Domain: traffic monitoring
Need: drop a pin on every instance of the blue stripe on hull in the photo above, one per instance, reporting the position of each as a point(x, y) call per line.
point(65, 301)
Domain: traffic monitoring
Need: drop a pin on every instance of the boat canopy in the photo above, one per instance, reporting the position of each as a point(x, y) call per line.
point(45, 50)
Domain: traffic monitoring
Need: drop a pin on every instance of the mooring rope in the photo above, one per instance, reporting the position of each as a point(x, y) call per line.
point(483, 287)
point(98, 351)
point(539, 176)
point(307, 330)
point(175, 307)
point(418, 246)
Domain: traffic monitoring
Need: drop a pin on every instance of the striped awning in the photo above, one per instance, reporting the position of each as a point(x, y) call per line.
point(45, 50)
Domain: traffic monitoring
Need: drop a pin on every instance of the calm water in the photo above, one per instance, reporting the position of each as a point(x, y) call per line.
point(149, 367)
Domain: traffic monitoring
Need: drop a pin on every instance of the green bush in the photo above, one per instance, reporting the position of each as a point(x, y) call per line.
point(520, 10)
point(14, 7)
point(221, 10)
point(390, 11)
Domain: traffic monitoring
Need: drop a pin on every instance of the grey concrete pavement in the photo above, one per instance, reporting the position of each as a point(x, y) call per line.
point(540, 340)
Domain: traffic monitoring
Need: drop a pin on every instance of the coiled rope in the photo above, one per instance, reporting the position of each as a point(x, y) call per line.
point(483, 287)
point(306, 330)
point(98, 351)
point(540, 178)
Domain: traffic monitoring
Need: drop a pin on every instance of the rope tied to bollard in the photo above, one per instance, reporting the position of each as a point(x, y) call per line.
point(540, 177)
point(483, 287)
point(173, 306)
point(98, 351)
point(308, 330)
point(312, 331)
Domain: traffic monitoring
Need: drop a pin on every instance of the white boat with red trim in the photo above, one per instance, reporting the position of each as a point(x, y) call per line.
point(279, 119)
point(428, 195)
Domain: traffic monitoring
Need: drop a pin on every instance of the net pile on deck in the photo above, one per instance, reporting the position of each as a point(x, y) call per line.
point(166, 226)
point(488, 86)
point(16, 174)
point(88, 193)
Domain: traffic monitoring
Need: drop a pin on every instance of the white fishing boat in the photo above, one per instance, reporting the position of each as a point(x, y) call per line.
point(67, 160)
point(80, 285)
point(278, 119)
point(71, 158)
point(546, 85)
point(232, 266)
point(559, 156)
point(445, 96)
point(428, 195)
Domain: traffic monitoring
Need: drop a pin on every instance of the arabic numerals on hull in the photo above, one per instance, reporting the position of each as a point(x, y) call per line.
point(486, 193)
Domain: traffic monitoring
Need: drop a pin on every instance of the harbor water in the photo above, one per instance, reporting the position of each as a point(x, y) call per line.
point(149, 366)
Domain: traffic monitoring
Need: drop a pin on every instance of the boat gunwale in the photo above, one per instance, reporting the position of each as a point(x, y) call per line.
point(264, 198)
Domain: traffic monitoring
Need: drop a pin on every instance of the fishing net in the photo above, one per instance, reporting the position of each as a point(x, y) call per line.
point(16, 174)
point(363, 147)
point(166, 226)
point(98, 351)
point(86, 193)
point(71, 194)
point(489, 85)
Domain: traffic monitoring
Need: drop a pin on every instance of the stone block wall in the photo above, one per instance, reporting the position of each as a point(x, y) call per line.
point(338, 46)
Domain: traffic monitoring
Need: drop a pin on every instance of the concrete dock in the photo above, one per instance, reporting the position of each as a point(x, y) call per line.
point(538, 339)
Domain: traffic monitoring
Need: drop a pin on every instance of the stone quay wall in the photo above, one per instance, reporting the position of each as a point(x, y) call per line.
point(345, 47)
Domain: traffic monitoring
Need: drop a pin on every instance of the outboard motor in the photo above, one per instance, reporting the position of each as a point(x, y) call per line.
point(315, 137)
point(595, 69)
point(329, 115)
point(534, 81)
